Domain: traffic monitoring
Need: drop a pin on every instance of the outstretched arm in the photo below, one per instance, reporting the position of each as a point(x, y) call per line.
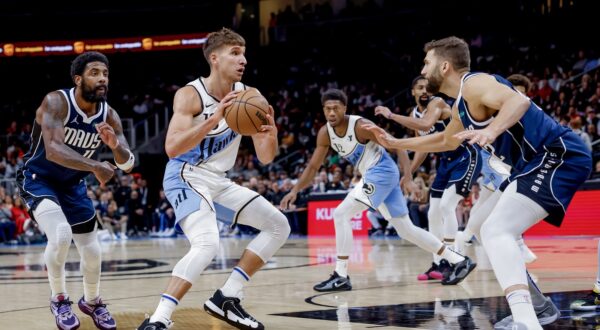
point(317, 159)
point(435, 108)
point(436, 142)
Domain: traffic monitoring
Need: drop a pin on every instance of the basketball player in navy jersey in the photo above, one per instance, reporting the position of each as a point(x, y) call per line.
point(549, 162)
point(201, 148)
point(494, 173)
point(69, 128)
point(378, 189)
point(456, 172)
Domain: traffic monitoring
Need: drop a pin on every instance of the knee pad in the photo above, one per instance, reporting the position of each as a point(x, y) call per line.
point(53, 222)
point(64, 235)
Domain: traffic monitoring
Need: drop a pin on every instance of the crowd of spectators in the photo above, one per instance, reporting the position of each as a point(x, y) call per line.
point(292, 74)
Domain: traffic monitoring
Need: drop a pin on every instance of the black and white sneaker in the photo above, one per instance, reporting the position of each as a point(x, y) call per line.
point(459, 271)
point(334, 283)
point(147, 325)
point(229, 310)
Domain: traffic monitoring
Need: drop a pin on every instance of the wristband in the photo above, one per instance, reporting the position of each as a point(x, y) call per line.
point(128, 164)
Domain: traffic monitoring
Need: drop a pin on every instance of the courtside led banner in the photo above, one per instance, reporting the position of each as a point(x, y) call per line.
point(581, 219)
point(73, 47)
point(320, 219)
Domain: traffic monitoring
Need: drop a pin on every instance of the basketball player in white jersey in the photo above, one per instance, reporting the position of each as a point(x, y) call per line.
point(201, 147)
point(454, 176)
point(379, 189)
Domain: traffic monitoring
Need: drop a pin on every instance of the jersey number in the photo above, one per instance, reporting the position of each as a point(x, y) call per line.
point(339, 148)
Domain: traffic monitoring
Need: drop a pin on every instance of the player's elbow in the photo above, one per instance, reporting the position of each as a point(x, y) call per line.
point(265, 159)
point(170, 151)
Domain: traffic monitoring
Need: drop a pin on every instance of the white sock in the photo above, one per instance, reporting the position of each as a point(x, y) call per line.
point(91, 291)
point(522, 308)
point(341, 267)
point(235, 283)
point(451, 256)
point(165, 308)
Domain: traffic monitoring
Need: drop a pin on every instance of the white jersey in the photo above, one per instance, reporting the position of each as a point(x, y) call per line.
point(362, 156)
point(218, 150)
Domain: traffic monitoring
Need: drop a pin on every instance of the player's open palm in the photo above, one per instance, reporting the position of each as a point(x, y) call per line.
point(383, 111)
point(107, 135)
point(104, 171)
point(381, 135)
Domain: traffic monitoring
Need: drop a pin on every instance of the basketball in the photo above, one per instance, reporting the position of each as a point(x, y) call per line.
point(247, 112)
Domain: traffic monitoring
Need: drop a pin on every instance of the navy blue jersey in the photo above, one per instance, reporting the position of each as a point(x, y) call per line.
point(80, 135)
point(518, 145)
point(440, 126)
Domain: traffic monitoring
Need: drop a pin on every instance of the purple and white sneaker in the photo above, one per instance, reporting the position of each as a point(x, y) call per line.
point(60, 306)
point(98, 312)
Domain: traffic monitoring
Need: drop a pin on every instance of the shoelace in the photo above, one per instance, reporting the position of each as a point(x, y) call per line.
point(241, 309)
point(64, 309)
point(101, 312)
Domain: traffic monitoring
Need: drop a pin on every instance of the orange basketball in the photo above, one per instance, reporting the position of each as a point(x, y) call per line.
point(247, 112)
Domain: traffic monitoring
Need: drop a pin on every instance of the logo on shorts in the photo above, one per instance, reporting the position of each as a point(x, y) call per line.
point(368, 188)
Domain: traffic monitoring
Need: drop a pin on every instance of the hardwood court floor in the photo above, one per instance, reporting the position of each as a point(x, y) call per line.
point(386, 292)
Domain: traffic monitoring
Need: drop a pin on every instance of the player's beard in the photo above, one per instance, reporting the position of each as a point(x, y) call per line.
point(423, 101)
point(434, 82)
point(90, 94)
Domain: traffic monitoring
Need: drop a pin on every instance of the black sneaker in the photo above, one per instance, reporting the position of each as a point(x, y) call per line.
point(459, 271)
point(334, 283)
point(445, 268)
point(229, 310)
point(146, 325)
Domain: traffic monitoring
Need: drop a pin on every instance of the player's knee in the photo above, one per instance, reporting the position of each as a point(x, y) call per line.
point(206, 243)
point(340, 214)
point(277, 226)
point(91, 254)
point(489, 230)
point(64, 235)
point(447, 205)
point(434, 214)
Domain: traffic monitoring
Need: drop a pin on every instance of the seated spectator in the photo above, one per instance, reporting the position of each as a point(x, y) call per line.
point(7, 225)
point(113, 221)
point(336, 183)
point(575, 125)
point(19, 215)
